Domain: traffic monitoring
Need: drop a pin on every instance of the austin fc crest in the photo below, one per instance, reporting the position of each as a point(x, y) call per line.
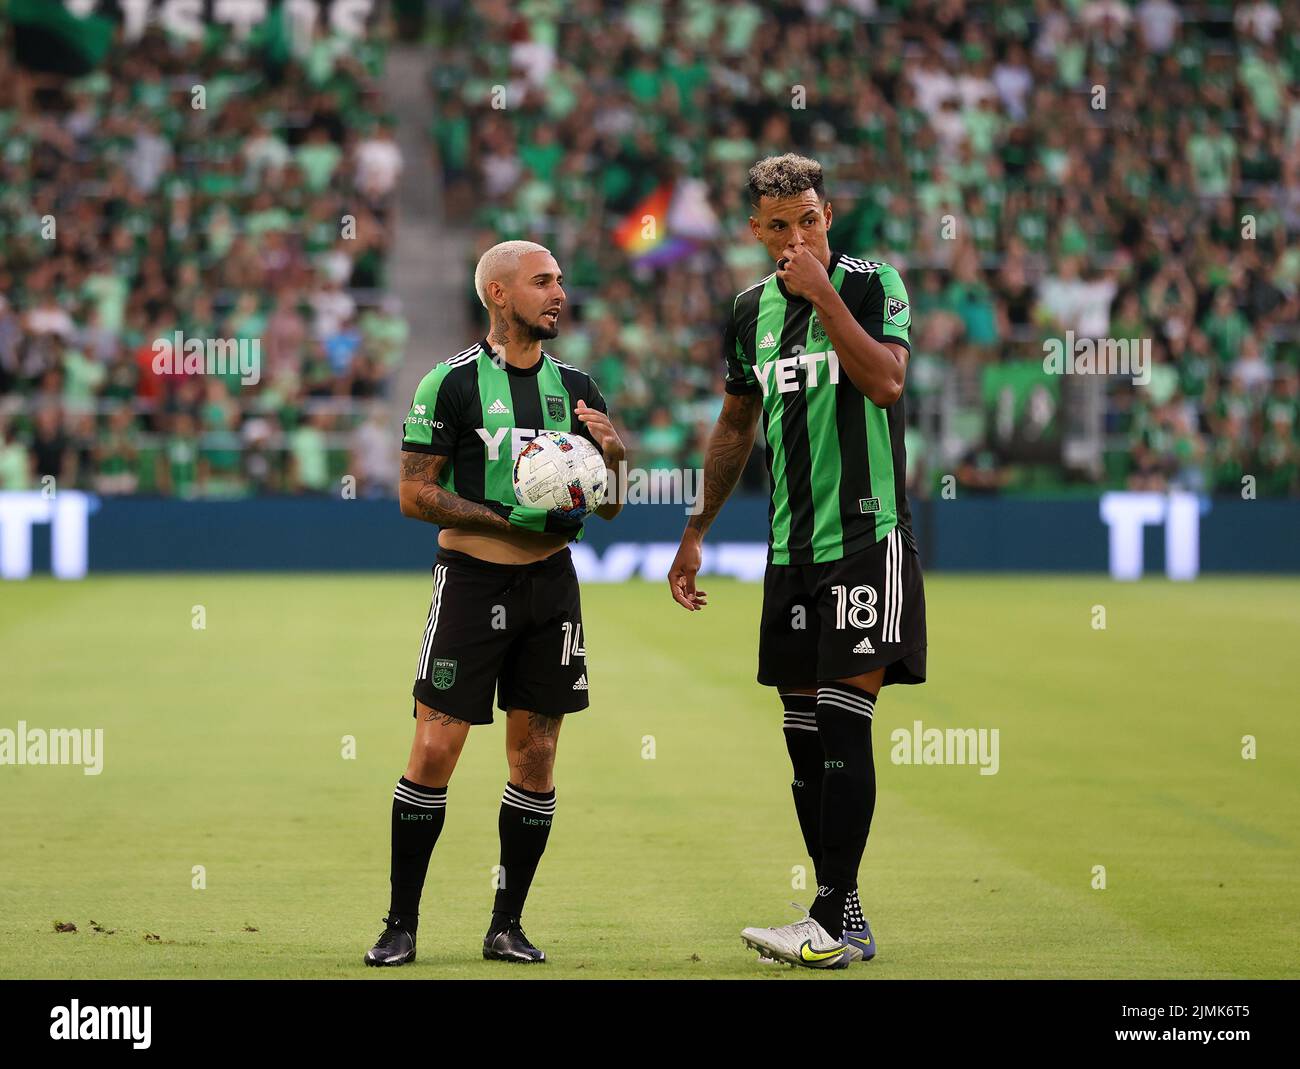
point(555, 408)
point(444, 674)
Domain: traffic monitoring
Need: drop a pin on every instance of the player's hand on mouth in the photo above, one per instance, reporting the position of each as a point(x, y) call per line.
point(803, 274)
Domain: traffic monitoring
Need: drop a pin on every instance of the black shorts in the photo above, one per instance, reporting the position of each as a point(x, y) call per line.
point(844, 617)
point(511, 628)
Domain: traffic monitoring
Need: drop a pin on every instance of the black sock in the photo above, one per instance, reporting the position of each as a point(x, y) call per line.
point(525, 825)
point(848, 796)
point(418, 814)
point(808, 761)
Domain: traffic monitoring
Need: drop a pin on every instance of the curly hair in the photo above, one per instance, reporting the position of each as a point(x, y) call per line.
point(784, 176)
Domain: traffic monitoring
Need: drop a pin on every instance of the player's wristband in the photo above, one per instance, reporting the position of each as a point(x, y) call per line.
point(542, 521)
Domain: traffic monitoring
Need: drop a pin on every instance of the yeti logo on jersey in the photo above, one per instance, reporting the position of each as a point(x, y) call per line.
point(782, 375)
point(519, 438)
point(444, 673)
point(896, 312)
point(554, 407)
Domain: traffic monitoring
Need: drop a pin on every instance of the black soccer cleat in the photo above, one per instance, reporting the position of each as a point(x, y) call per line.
point(395, 947)
point(510, 944)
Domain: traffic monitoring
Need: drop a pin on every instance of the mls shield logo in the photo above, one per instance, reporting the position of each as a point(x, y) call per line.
point(555, 410)
point(896, 312)
point(444, 674)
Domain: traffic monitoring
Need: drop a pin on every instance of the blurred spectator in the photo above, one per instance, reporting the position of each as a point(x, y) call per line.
point(222, 223)
point(15, 461)
point(971, 152)
point(374, 462)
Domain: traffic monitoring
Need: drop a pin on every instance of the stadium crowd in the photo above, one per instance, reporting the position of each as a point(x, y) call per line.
point(225, 193)
point(1118, 170)
point(1112, 169)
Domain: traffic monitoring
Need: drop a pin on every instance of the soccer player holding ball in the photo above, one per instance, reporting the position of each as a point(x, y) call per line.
point(819, 351)
point(505, 615)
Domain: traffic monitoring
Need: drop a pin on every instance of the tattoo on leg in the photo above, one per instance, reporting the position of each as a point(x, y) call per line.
point(535, 755)
point(445, 719)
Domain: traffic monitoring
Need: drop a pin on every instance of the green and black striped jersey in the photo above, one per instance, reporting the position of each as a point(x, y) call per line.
point(481, 412)
point(836, 460)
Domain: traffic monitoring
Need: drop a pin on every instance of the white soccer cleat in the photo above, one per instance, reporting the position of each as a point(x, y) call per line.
point(803, 943)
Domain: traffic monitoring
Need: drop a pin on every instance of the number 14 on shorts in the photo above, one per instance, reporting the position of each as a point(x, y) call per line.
point(572, 642)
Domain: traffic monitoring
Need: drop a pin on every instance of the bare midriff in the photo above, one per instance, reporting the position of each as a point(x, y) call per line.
point(508, 547)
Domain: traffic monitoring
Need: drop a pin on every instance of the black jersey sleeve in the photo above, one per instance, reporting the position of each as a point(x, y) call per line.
point(738, 370)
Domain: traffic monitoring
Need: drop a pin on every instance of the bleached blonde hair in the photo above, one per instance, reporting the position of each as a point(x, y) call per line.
point(499, 261)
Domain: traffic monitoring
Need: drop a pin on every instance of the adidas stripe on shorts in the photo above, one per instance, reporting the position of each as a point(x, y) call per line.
point(510, 629)
point(844, 617)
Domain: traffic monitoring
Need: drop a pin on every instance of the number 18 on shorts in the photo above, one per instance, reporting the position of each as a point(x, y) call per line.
point(842, 618)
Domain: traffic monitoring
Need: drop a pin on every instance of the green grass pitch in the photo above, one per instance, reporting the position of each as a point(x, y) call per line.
point(223, 748)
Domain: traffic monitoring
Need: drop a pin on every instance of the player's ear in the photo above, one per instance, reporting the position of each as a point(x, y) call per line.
point(753, 227)
point(826, 214)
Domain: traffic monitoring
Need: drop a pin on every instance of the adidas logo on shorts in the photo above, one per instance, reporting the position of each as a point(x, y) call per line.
point(864, 646)
point(582, 682)
point(496, 408)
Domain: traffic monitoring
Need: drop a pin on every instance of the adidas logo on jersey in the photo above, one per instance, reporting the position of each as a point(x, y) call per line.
point(582, 682)
point(497, 408)
point(864, 646)
point(768, 341)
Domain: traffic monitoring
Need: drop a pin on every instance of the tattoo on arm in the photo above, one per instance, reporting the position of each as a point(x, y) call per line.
point(424, 499)
point(729, 447)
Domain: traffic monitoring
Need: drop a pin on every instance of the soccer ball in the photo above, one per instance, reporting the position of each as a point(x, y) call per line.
point(560, 472)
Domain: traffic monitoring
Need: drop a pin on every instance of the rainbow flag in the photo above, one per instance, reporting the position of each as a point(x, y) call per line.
point(645, 236)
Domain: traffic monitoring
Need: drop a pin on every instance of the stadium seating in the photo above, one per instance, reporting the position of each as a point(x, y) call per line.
point(1095, 167)
point(259, 209)
point(1112, 170)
